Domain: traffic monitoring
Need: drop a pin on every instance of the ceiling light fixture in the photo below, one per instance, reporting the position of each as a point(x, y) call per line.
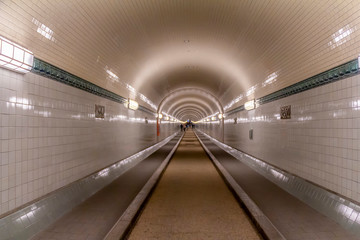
point(131, 104)
point(250, 105)
point(15, 57)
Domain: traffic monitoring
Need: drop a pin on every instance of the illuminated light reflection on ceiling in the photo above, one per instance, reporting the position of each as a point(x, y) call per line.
point(133, 93)
point(269, 80)
point(111, 76)
point(237, 99)
point(206, 57)
point(341, 36)
point(251, 90)
point(44, 30)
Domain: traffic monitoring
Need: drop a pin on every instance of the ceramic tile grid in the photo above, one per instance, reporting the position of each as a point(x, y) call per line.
point(49, 137)
point(309, 37)
point(25, 223)
point(341, 210)
point(320, 143)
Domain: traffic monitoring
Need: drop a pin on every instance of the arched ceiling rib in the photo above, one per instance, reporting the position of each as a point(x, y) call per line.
point(228, 49)
point(193, 100)
point(189, 110)
point(188, 116)
point(199, 108)
point(184, 93)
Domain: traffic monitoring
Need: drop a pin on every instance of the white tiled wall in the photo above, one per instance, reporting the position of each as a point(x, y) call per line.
point(50, 138)
point(321, 141)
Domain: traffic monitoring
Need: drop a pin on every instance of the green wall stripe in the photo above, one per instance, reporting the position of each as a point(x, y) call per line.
point(343, 71)
point(50, 71)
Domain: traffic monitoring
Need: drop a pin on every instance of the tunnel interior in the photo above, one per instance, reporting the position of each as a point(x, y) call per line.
point(86, 85)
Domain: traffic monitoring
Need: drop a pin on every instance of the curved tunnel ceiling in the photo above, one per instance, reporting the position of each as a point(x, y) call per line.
point(200, 99)
point(191, 111)
point(228, 49)
point(197, 108)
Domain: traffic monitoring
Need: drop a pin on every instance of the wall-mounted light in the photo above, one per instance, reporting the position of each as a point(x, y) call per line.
point(159, 115)
point(131, 104)
point(207, 120)
point(250, 105)
point(15, 57)
point(213, 118)
point(167, 118)
point(221, 116)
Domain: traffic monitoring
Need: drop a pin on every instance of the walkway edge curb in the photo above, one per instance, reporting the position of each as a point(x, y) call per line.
point(267, 229)
point(123, 224)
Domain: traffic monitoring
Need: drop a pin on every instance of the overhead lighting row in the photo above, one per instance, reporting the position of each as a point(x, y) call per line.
point(167, 117)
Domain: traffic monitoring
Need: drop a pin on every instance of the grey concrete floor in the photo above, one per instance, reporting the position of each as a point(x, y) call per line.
point(192, 201)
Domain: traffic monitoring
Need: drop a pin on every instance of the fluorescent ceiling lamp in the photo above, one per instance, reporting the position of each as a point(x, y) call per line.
point(250, 105)
point(131, 104)
point(15, 57)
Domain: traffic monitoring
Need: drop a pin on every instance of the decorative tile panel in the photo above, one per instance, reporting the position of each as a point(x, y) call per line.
point(285, 112)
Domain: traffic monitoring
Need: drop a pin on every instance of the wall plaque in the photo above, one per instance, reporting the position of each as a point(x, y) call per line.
point(285, 112)
point(99, 111)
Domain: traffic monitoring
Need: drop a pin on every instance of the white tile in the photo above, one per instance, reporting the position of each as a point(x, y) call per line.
point(46, 146)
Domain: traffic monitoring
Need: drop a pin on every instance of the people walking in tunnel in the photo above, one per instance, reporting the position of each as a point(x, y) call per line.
point(181, 127)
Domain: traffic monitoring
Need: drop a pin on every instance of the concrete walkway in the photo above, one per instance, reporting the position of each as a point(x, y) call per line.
point(192, 201)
